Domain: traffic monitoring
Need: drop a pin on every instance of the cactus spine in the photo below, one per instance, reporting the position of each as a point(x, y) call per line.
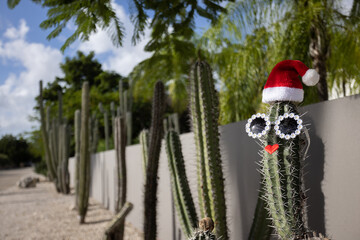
point(84, 171)
point(156, 132)
point(180, 187)
point(205, 114)
point(283, 180)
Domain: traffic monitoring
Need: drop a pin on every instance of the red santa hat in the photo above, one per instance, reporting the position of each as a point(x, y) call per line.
point(283, 83)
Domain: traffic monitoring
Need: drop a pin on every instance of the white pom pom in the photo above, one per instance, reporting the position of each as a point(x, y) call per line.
point(311, 77)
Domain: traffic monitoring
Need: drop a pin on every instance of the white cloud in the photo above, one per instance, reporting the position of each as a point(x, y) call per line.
point(18, 90)
point(122, 59)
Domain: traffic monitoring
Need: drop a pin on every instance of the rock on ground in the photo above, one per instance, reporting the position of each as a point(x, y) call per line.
point(41, 213)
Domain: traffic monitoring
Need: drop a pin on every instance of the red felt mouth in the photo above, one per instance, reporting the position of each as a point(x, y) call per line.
point(272, 148)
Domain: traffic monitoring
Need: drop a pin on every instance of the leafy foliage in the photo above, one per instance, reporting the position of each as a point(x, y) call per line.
point(15, 151)
point(89, 16)
point(255, 35)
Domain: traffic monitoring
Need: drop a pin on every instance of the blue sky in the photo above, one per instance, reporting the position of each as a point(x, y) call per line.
point(26, 57)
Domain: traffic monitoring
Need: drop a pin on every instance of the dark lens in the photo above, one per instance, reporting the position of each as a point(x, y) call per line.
point(288, 126)
point(257, 125)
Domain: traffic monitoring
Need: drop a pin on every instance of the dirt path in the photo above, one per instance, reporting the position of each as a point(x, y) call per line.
point(41, 213)
point(8, 178)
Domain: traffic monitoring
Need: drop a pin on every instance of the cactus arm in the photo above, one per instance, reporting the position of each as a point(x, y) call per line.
point(117, 221)
point(180, 186)
point(156, 132)
point(84, 176)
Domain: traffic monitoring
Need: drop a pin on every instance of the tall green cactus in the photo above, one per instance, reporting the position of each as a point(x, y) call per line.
point(94, 133)
point(204, 114)
point(77, 125)
point(156, 133)
point(283, 178)
point(180, 187)
point(84, 171)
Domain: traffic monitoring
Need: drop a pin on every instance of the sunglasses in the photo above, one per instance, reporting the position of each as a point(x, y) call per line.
point(286, 126)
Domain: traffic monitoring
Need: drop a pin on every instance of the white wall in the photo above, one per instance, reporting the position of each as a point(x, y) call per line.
point(333, 173)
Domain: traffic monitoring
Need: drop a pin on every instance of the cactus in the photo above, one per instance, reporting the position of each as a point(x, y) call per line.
point(283, 180)
point(84, 171)
point(204, 115)
point(45, 136)
point(106, 125)
point(206, 226)
point(180, 187)
point(77, 125)
point(94, 133)
point(119, 219)
point(144, 141)
point(120, 147)
point(261, 226)
point(156, 132)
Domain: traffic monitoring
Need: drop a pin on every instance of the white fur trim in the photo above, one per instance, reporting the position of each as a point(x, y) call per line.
point(282, 94)
point(311, 77)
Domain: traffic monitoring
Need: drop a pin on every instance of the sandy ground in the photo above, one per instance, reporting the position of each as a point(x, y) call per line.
point(41, 213)
point(8, 178)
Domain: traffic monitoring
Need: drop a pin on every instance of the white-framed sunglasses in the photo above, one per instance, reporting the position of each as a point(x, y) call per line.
point(286, 126)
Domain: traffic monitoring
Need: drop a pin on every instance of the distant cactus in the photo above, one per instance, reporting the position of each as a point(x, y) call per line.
point(106, 125)
point(45, 136)
point(180, 187)
point(204, 107)
point(117, 222)
point(144, 141)
point(77, 125)
point(84, 171)
point(120, 148)
point(94, 133)
point(156, 133)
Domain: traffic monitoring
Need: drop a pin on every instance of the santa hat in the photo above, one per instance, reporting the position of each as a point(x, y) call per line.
point(283, 83)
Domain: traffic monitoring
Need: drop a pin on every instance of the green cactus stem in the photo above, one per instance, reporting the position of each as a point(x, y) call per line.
point(84, 171)
point(77, 125)
point(106, 125)
point(120, 147)
point(180, 186)
point(156, 133)
point(261, 225)
point(45, 137)
point(283, 178)
point(94, 133)
point(144, 141)
point(204, 114)
point(118, 220)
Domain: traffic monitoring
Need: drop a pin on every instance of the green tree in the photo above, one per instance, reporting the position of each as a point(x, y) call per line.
point(88, 16)
point(15, 151)
point(247, 43)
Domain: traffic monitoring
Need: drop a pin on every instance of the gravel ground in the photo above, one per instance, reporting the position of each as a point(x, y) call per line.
point(41, 213)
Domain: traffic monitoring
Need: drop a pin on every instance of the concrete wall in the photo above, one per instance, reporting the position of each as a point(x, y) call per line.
point(333, 173)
